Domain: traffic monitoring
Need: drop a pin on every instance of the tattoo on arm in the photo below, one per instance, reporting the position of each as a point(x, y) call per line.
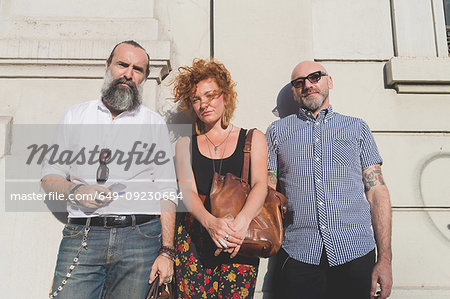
point(372, 176)
point(272, 176)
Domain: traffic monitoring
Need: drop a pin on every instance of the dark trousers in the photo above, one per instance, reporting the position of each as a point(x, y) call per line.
point(299, 280)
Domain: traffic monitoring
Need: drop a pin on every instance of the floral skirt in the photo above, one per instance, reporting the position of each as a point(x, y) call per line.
point(199, 274)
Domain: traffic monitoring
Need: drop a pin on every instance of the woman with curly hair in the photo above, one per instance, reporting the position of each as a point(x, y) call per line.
point(208, 264)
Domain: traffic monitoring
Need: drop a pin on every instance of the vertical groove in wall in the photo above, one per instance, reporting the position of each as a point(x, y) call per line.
point(211, 28)
point(394, 31)
point(433, 16)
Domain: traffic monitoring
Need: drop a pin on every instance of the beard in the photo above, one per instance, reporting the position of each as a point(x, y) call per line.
point(312, 102)
point(121, 97)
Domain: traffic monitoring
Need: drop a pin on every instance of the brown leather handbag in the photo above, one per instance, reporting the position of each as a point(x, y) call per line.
point(227, 197)
point(160, 292)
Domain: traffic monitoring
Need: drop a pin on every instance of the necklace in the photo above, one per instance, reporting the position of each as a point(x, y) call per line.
point(216, 147)
point(223, 153)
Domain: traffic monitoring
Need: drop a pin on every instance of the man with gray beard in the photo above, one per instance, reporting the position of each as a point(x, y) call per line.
point(119, 97)
point(328, 166)
point(110, 247)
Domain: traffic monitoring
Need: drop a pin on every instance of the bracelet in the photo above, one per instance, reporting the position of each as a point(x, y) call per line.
point(169, 249)
point(164, 254)
point(72, 191)
point(168, 252)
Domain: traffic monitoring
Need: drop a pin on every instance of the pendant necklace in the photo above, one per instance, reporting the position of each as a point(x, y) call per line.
point(223, 153)
point(216, 147)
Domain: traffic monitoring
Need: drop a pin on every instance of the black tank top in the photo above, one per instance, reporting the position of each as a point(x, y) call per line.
point(203, 173)
point(203, 166)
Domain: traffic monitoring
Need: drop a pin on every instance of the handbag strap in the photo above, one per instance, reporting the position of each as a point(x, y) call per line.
point(247, 150)
point(153, 292)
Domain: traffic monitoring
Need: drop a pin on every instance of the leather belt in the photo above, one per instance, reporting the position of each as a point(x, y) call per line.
point(114, 220)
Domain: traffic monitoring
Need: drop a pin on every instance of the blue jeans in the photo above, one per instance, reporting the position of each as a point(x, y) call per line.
point(116, 264)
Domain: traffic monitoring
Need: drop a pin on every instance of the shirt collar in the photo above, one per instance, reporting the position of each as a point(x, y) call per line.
point(101, 106)
point(325, 113)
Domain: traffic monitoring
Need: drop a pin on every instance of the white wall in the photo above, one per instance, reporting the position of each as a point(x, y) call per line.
point(260, 43)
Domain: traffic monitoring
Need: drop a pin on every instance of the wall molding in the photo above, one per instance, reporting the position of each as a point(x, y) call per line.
point(20, 68)
point(72, 59)
point(429, 75)
point(5, 135)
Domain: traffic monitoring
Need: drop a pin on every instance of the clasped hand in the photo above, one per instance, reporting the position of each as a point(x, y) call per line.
point(228, 234)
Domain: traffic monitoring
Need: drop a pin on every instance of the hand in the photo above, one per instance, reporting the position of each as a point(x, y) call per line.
point(240, 227)
point(219, 228)
point(163, 267)
point(93, 196)
point(382, 273)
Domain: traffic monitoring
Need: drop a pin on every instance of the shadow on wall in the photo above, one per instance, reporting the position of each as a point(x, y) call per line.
point(56, 207)
point(176, 116)
point(286, 105)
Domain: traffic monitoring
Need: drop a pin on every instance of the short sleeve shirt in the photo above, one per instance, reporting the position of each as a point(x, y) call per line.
point(319, 165)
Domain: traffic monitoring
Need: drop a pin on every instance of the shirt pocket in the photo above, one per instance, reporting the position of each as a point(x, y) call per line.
point(346, 152)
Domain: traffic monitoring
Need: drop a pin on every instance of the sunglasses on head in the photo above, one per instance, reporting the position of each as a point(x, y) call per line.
point(313, 78)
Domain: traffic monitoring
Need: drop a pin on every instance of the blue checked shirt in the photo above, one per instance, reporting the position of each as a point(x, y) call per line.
point(319, 163)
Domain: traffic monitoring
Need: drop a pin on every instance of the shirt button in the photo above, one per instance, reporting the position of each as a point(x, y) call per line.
point(325, 121)
point(317, 123)
point(317, 159)
point(307, 121)
point(318, 181)
point(317, 139)
point(323, 227)
point(320, 203)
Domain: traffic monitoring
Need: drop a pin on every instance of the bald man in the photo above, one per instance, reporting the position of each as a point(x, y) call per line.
point(328, 166)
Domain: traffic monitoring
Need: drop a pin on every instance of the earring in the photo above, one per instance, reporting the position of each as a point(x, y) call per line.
point(225, 120)
point(197, 126)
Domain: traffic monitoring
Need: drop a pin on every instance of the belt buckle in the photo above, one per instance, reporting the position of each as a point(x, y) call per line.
point(113, 221)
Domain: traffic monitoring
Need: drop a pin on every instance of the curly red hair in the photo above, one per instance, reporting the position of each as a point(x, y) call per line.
point(185, 83)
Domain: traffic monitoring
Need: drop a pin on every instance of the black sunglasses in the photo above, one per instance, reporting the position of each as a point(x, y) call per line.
point(103, 170)
point(313, 78)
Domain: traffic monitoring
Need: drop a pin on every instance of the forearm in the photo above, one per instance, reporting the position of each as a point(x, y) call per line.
point(272, 179)
point(256, 197)
point(382, 222)
point(56, 183)
point(199, 211)
point(254, 203)
point(380, 208)
point(167, 222)
point(163, 265)
point(382, 225)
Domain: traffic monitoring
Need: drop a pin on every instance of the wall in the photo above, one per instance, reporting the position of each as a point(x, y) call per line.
point(384, 64)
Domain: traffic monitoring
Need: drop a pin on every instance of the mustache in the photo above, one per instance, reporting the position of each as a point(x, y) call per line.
point(311, 89)
point(123, 80)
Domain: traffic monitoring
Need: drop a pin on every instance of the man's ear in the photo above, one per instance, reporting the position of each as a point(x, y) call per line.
point(106, 65)
point(330, 82)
